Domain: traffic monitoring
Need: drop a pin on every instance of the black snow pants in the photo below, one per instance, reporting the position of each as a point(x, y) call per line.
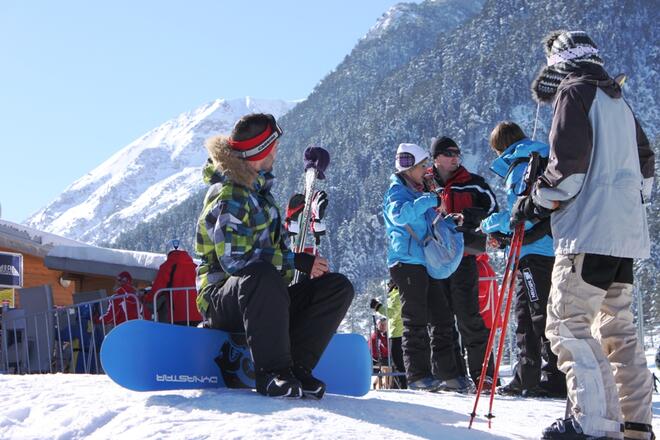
point(422, 305)
point(283, 325)
point(533, 281)
point(461, 291)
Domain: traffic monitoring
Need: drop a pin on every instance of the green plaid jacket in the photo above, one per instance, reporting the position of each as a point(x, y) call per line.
point(238, 226)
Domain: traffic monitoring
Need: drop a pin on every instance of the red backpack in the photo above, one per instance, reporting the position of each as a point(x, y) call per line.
point(488, 290)
point(179, 270)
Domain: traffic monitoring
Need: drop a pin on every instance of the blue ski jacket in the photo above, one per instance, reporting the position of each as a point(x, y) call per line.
point(514, 185)
point(403, 206)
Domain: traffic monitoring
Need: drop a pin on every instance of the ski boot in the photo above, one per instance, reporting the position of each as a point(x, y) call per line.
point(568, 429)
point(311, 386)
point(426, 384)
point(279, 383)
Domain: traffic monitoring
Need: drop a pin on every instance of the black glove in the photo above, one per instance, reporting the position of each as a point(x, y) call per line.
point(525, 209)
point(374, 304)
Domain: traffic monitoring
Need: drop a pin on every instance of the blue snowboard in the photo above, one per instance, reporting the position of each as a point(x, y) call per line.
point(149, 356)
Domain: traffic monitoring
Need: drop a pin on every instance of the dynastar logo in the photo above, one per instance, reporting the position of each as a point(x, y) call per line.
point(186, 378)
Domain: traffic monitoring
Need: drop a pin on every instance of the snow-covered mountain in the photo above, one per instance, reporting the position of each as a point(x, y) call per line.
point(150, 175)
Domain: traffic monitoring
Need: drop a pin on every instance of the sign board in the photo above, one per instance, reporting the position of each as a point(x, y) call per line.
point(7, 298)
point(11, 270)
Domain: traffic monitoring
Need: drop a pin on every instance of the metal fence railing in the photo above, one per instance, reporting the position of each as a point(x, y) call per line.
point(170, 303)
point(68, 339)
point(64, 339)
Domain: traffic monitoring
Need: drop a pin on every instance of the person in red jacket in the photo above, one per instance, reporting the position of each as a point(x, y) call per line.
point(179, 306)
point(378, 342)
point(469, 195)
point(121, 308)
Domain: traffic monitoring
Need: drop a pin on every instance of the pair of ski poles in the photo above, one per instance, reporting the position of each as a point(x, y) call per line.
point(506, 290)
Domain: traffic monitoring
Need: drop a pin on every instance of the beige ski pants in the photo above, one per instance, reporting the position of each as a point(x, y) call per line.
point(590, 328)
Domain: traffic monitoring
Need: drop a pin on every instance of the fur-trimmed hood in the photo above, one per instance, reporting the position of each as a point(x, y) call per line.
point(230, 166)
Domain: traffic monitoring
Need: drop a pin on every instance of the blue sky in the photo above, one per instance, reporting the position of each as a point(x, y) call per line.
point(81, 79)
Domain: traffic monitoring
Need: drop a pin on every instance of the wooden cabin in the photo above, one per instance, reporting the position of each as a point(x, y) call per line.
point(69, 266)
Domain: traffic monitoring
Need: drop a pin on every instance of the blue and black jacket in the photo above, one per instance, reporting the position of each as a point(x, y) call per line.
point(511, 166)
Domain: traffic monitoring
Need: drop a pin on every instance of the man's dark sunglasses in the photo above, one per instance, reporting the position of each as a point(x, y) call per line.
point(450, 153)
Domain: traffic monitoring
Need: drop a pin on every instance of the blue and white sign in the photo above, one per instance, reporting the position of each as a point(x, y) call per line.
point(11, 270)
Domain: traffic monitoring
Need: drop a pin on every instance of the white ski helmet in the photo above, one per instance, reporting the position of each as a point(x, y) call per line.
point(409, 155)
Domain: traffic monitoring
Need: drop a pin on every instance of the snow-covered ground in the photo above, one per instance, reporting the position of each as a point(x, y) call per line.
point(63, 406)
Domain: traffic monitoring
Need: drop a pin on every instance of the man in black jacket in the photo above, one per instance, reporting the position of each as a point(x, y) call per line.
point(469, 195)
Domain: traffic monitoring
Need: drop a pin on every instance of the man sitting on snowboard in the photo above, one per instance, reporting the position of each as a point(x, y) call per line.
point(243, 280)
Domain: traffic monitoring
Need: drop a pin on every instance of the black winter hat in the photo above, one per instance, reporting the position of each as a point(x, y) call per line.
point(442, 144)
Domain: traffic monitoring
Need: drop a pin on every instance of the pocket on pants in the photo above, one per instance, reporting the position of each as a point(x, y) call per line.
point(565, 281)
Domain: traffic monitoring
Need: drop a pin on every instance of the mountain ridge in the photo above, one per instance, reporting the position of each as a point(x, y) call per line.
point(158, 170)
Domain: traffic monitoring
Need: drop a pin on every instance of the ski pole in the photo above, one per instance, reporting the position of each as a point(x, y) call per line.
point(520, 232)
point(493, 330)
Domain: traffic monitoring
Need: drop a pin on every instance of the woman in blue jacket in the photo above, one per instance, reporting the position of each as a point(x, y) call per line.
point(407, 208)
point(534, 270)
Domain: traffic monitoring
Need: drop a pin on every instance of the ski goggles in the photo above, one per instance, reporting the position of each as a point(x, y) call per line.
point(407, 160)
point(252, 147)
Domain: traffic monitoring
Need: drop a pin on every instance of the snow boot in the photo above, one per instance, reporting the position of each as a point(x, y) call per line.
point(513, 388)
point(487, 386)
point(536, 391)
point(637, 431)
point(278, 383)
point(426, 384)
point(568, 429)
point(459, 384)
point(311, 386)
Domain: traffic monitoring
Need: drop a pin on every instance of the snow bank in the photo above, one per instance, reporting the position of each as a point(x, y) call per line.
point(63, 406)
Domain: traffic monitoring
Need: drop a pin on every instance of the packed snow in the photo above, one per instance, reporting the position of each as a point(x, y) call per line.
point(64, 406)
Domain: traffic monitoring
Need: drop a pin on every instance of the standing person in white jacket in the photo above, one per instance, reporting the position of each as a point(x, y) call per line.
point(598, 179)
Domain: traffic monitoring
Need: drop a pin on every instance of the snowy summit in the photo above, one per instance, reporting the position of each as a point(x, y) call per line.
point(148, 176)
